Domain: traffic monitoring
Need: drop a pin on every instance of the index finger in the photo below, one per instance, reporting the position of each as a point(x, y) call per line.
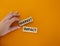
point(11, 14)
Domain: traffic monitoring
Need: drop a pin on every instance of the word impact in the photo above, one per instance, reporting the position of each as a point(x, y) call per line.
point(30, 29)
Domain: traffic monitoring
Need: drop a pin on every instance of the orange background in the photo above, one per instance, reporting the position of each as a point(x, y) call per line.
point(46, 15)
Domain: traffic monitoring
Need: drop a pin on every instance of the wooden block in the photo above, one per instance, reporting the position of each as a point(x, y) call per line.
point(25, 21)
point(29, 29)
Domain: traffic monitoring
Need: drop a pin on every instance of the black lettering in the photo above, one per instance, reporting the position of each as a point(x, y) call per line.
point(26, 28)
point(21, 23)
point(31, 29)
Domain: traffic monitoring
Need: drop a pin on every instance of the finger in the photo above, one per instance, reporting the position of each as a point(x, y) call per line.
point(13, 28)
point(10, 30)
point(13, 20)
point(6, 18)
point(11, 14)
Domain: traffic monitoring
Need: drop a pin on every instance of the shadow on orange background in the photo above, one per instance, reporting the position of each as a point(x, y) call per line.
point(46, 15)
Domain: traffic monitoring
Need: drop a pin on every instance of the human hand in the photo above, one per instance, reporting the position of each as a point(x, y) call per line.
point(5, 24)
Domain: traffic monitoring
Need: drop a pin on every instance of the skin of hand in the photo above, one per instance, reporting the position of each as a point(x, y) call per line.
point(7, 22)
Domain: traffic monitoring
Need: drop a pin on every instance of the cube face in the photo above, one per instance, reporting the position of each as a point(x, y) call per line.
point(29, 29)
point(25, 21)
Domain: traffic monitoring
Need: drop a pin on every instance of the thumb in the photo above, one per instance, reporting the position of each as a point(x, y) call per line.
point(13, 28)
point(10, 30)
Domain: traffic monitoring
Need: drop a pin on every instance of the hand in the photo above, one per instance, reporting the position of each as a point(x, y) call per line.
point(5, 24)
